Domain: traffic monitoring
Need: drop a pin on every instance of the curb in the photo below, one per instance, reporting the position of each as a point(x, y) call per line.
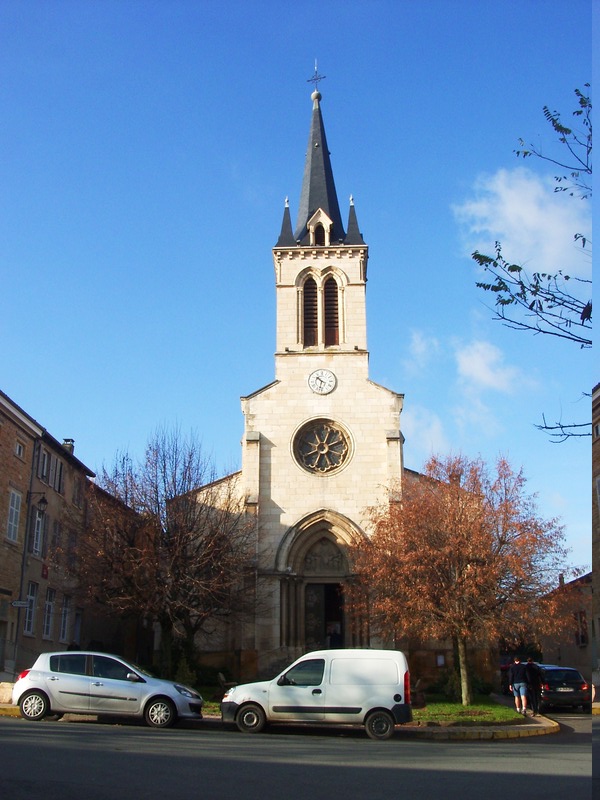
point(541, 727)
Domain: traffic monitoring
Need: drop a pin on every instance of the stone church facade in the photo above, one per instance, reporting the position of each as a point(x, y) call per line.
point(322, 443)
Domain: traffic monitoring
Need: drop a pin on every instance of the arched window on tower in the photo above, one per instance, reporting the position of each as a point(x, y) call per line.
point(311, 315)
point(320, 235)
point(332, 325)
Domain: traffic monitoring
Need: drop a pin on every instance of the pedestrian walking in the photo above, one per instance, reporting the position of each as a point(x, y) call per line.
point(517, 684)
point(534, 681)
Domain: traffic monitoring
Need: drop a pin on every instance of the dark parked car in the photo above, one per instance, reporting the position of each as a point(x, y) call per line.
point(564, 686)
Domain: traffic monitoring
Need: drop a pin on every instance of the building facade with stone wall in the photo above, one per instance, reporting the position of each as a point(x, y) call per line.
point(42, 511)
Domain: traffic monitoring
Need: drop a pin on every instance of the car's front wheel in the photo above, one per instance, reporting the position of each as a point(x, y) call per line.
point(379, 725)
point(160, 713)
point(250, 718)
point(34, 706)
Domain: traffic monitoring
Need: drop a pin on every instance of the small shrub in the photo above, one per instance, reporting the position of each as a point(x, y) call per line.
point(184, 673)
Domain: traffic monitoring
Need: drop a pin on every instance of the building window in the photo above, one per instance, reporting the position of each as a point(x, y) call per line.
point(14, 515)
point(319, 235)
point(311, 313)
point(44, 465)
point(19, 449)
point(49, 613)
point(332, 329)
point(77, 492)
point(32, 593)
point(581, 629)
point(321, 446)
point(51, 470)
point(65, 618)
point(77, 625)
point(37, 537)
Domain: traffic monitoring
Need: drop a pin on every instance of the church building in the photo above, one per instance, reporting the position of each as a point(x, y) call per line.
point(322, 443)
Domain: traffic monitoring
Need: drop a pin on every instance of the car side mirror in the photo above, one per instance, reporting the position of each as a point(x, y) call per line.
point(282, 681)
point(131, 676)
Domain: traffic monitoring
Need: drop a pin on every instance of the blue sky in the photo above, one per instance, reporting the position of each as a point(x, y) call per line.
point(148, 147)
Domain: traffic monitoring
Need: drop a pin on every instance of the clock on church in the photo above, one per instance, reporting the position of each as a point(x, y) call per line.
point(322, 381)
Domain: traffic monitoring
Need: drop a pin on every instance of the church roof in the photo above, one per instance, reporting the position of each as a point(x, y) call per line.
point(318, 192)
point(318, 187)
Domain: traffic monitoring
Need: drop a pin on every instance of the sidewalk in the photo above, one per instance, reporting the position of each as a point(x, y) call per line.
point(534, 726)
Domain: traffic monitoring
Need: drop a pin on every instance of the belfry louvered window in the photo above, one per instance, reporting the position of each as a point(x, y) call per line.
point(332, 327)
point(311, 314)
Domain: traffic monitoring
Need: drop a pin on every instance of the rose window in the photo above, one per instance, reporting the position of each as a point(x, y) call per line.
point(321, 446)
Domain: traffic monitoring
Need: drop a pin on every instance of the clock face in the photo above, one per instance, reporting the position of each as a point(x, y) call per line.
point(322, 381)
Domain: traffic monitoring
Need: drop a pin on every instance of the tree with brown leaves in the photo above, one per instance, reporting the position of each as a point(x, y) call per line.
point(168, 542)
point(463, 556)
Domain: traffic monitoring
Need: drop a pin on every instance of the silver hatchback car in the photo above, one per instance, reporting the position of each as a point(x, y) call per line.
point(78, 682)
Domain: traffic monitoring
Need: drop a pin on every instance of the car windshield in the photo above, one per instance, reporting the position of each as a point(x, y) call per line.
point(141, 670)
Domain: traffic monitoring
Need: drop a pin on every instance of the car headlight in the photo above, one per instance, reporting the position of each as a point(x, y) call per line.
point(187, 692)
point(229, 693)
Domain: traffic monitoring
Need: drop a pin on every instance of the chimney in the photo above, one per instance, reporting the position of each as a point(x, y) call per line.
point(69, 445)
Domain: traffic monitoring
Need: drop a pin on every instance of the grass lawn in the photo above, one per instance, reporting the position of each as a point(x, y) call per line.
point(484, 710)
point(438, 711)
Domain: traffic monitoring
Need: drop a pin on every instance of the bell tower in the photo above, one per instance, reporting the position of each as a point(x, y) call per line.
point(320, 269)
point(322, 443)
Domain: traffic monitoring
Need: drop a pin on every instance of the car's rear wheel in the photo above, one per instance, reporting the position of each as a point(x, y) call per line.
point(379, 725)
point(250, 718)
point(34, 706)
point(160, 713)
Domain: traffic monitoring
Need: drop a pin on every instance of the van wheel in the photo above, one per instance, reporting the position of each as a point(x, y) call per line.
point(250, 718)
point(379, 725)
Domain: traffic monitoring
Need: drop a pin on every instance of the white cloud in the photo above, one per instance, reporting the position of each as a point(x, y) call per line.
point(424, 433)
point(481, 366)
point(534, 224)
point(421, 350)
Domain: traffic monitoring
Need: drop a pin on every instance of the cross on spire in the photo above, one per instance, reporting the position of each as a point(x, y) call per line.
point(316, 77)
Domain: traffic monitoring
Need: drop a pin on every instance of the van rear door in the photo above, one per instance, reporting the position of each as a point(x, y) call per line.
point(299, 693)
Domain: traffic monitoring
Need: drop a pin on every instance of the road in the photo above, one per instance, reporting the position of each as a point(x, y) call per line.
point(75, 760)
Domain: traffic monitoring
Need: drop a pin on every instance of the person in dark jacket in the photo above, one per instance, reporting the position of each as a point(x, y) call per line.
point(517, 684)
point(534, 681)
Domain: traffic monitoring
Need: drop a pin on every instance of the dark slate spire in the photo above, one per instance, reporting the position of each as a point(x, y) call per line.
point(354, 236)
point(318, 187)
point(286, 237)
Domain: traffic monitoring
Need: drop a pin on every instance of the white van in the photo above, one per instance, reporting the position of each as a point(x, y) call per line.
point(360, 687)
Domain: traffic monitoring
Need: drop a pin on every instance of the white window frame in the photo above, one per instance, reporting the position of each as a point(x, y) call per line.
point(38, 533)
point(14, 516)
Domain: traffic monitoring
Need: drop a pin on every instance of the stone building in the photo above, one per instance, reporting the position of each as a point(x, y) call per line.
point(42, 510)
point(322, 443)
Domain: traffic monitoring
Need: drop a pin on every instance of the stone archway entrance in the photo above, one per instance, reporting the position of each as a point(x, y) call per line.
point(316, 573)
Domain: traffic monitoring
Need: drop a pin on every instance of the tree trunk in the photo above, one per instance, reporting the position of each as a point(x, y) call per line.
point(465, 681)
point(165, 653)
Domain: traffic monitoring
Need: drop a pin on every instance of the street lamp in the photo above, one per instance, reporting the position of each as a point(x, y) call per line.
point(42, 503)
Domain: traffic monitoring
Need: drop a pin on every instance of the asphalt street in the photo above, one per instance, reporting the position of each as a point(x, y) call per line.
point(68, 761)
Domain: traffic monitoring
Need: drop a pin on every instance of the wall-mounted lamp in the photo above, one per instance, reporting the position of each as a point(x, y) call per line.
point(42, 503)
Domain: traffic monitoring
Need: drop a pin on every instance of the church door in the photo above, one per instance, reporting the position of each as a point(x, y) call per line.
point(323, 615)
